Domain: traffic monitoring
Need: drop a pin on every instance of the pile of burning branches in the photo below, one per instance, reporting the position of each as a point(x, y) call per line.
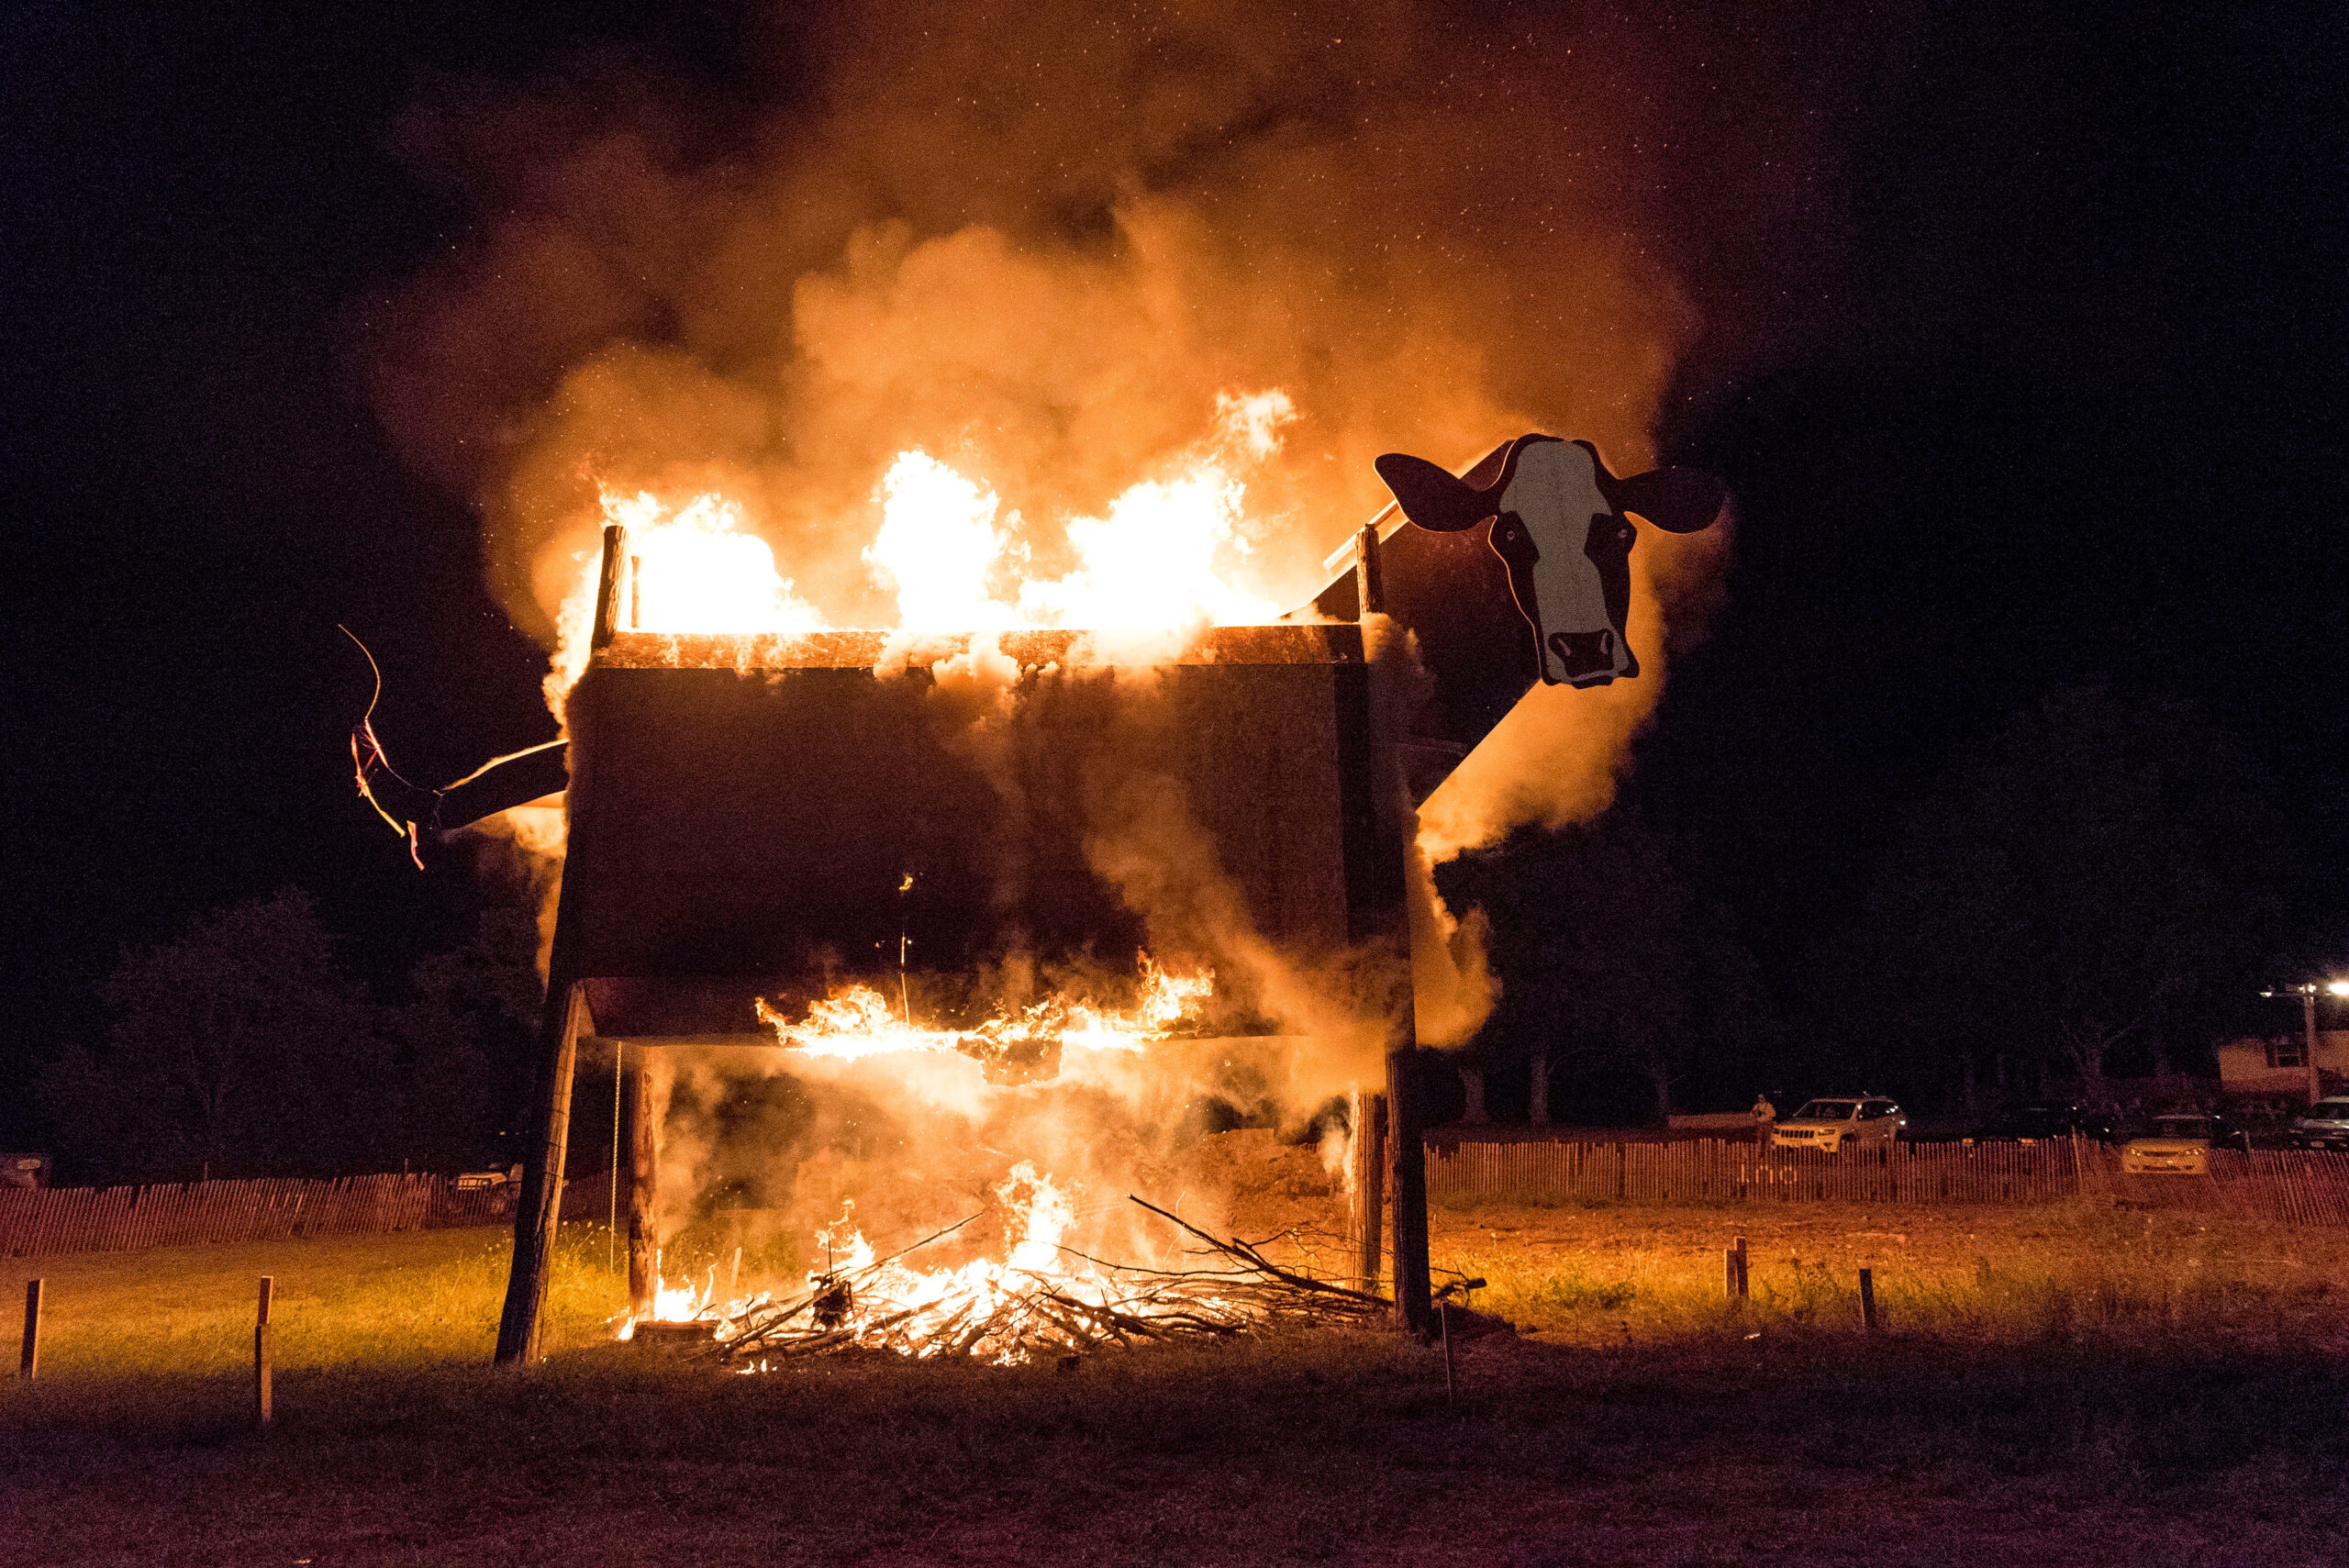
point(1030, 1307)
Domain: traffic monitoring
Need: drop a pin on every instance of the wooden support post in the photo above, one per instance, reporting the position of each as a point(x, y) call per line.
point(28, 1367)
point(1406, 1173)
point(1370, 586)
point(1369, 1216)
point(262, 1411)
point(1375, 808)
point(1728, 1275)
point(539, 1209)
point(643, 1186)
point(610, 587)
point(1867, 1301)
point(1744, 1279)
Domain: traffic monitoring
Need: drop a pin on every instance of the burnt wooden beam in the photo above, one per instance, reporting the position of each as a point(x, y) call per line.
point(1407, 1179)
point(610, 608)
point(1370, 587)
point(539, 1209)
point(1367, 1209)
point(1376, 823)
point(643, 1177)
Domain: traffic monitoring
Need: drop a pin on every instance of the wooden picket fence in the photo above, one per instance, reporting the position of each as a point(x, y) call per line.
point(115, 1220)
point(2305, 1188)
point(2300, 1187)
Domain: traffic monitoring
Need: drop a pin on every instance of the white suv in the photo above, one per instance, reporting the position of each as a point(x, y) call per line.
point(1829, 1125)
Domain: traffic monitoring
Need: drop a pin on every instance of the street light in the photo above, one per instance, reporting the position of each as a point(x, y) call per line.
point(2307, 990)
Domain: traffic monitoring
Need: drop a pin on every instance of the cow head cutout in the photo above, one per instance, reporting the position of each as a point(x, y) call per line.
point(1561, 525)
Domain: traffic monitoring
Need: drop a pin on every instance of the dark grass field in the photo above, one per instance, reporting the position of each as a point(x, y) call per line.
point(2185, 1437)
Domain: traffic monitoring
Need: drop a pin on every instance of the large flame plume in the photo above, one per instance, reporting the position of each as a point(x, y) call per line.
point(1052, 313)
point(859, 1021)
point(1038, 243)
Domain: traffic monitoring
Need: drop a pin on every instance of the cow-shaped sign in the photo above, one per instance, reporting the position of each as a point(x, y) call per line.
point(1561, 529)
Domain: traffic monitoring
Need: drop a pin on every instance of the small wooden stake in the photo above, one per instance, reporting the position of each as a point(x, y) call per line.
point(261, 1357)
point(1728, 1273)
point(1743, 1279)
point(29, 1367)
point(1867, 1301)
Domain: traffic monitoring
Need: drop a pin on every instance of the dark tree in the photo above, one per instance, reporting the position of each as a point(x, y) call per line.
point(457, 1050)
point(240, 1047)
point(1614, 964)
point(2085, 893)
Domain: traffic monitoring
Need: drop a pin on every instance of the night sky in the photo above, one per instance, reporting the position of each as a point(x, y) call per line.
point(2057, 398)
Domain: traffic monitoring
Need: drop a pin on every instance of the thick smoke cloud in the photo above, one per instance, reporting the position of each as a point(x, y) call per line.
point(1038, 240)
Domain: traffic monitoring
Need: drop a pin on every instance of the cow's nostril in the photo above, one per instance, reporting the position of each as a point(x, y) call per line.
point(1583, 652)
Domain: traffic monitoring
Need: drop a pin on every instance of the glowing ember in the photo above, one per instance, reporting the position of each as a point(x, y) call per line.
point(858, 1021)
point(1042, 1298)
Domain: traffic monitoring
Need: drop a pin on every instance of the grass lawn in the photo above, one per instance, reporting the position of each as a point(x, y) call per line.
point(2190, 1414)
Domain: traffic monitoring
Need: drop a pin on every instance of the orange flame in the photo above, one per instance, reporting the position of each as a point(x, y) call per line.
point(900, 1307)
point(1157, 557)
point(857, 1021)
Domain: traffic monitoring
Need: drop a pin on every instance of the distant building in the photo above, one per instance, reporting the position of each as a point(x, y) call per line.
point(2277, 1064)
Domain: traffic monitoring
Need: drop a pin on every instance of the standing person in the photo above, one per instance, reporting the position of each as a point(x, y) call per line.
point(1766, 1117)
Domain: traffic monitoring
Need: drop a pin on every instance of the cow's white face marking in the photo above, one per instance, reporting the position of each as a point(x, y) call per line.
point(1553, 497)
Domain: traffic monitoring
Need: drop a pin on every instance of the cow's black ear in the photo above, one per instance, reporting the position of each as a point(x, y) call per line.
point(1677, 500)
point(1431, 497)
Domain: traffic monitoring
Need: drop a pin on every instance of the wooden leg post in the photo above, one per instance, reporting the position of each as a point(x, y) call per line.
point(1729, 1275)
point(262, 1410)
point(28, 1367)
point(540, 1210)
point(1867, 1301)
point(1408, 1182)
point(1367, 1160)
point(1745, 1280)
point(643, 1190)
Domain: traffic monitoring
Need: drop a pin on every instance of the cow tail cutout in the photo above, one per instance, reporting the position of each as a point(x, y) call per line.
point(1561, 526)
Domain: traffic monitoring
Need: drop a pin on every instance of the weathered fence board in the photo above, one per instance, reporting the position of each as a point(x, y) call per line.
point(2300, 1188)
point(115, 1220)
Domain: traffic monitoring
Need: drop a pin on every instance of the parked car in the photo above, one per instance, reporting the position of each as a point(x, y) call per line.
point(488, 1181)
point(2050, 1118)
point(1831, 1126)
point(2175, 1146)
point(2324, 1124)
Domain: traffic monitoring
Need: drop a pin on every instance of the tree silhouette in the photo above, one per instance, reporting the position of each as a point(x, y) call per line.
point(2081, 893)
point(1613, 960)
point(241, 1048)
point(220, 1043)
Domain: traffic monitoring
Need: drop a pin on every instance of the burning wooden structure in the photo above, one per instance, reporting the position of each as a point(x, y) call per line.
point(747, 815)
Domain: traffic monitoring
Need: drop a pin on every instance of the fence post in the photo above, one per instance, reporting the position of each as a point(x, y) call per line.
point(29, 1366)
point(1742, 1279)
point(261, 1357)
point(1867, 1301)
